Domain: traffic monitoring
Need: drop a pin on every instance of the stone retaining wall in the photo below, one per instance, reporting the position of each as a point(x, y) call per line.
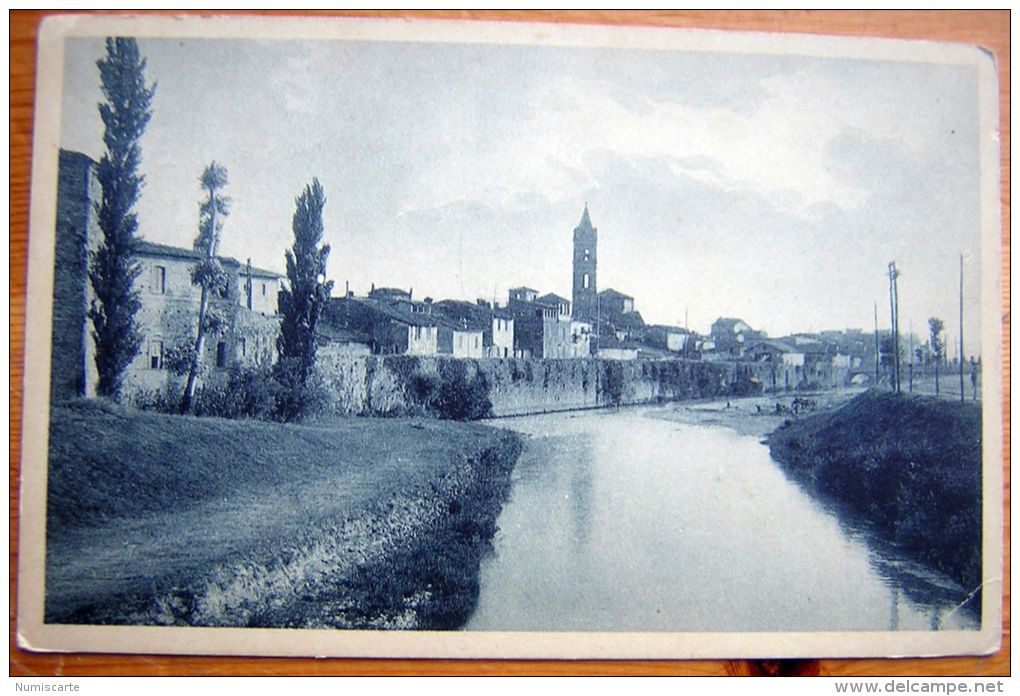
point(405, 385)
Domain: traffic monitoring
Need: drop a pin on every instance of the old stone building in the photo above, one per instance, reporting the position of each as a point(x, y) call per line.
point(618, 317)
point(542, 325)
point(670, 338)
point(73, 367)
point(495, 323)
point(247, 316)
point(459, 339)
point(393, 327)
point(730, 336)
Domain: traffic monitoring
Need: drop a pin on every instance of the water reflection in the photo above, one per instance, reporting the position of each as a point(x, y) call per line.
point(621, 522)
point(948, 604)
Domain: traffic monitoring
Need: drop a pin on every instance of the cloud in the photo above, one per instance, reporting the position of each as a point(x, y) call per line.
point(770, 150)
point(776, 142)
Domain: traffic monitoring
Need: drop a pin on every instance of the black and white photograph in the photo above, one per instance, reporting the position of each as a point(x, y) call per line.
point(463, 339)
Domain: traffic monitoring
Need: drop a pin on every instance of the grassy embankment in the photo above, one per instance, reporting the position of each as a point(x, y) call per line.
point(359, 523)
point(909, 466)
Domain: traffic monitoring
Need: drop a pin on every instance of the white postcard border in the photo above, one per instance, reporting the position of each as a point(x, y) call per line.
point(34, 634)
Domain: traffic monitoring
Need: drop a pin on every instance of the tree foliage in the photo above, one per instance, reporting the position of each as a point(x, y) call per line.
point(208, 273)
point(938, 346)
point(213, 179)
point(302, 303)
point(112, 268)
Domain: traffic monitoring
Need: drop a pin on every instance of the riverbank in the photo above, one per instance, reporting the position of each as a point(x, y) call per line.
point(756, 415)
point(355, 523)
point(910, 466)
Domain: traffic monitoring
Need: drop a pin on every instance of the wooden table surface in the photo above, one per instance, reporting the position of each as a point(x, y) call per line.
point(986, 28)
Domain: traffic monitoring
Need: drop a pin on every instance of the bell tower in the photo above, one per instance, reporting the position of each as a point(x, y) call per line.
point(586, 239)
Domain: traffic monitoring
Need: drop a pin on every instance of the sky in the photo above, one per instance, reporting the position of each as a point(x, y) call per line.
point(771, 188)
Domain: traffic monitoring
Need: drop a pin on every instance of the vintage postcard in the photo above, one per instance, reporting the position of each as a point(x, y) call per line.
point(464, 339)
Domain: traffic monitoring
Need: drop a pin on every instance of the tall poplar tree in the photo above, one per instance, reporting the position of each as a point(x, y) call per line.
point(301, 303)
point(112, 267)
point(938, 346)
point(208, 274)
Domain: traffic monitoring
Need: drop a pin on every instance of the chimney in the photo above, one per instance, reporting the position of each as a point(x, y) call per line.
point(347, 288)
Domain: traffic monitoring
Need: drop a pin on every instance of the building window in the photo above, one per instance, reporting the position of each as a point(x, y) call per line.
point(587, 281)
point(156, 354)
point(263, 289)
point(157, 283)
point(587, 255)
point(242, 347)
point(221, 354)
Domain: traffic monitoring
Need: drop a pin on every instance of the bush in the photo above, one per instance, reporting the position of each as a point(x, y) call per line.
point(422, 391)
point(612, 382)
point(158, 400)
point(298, 398)
point(179, 358)
point(459, 397)
point(405, 367)
point(248, 392)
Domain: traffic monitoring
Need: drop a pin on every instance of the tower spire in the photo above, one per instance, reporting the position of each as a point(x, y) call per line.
point(585, 266)
point(585, 219)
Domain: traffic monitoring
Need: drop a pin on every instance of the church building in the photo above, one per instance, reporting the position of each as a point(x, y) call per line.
point(586, 241)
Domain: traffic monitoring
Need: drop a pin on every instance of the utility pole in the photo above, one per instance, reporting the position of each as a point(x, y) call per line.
point(878, 353)
point(598, 363)
point(894, 326)
point(962, 398)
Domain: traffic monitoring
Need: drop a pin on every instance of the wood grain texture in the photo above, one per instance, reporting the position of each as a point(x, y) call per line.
point(989, 29)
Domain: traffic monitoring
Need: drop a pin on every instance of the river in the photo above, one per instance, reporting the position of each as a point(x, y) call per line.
point(645, 519)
